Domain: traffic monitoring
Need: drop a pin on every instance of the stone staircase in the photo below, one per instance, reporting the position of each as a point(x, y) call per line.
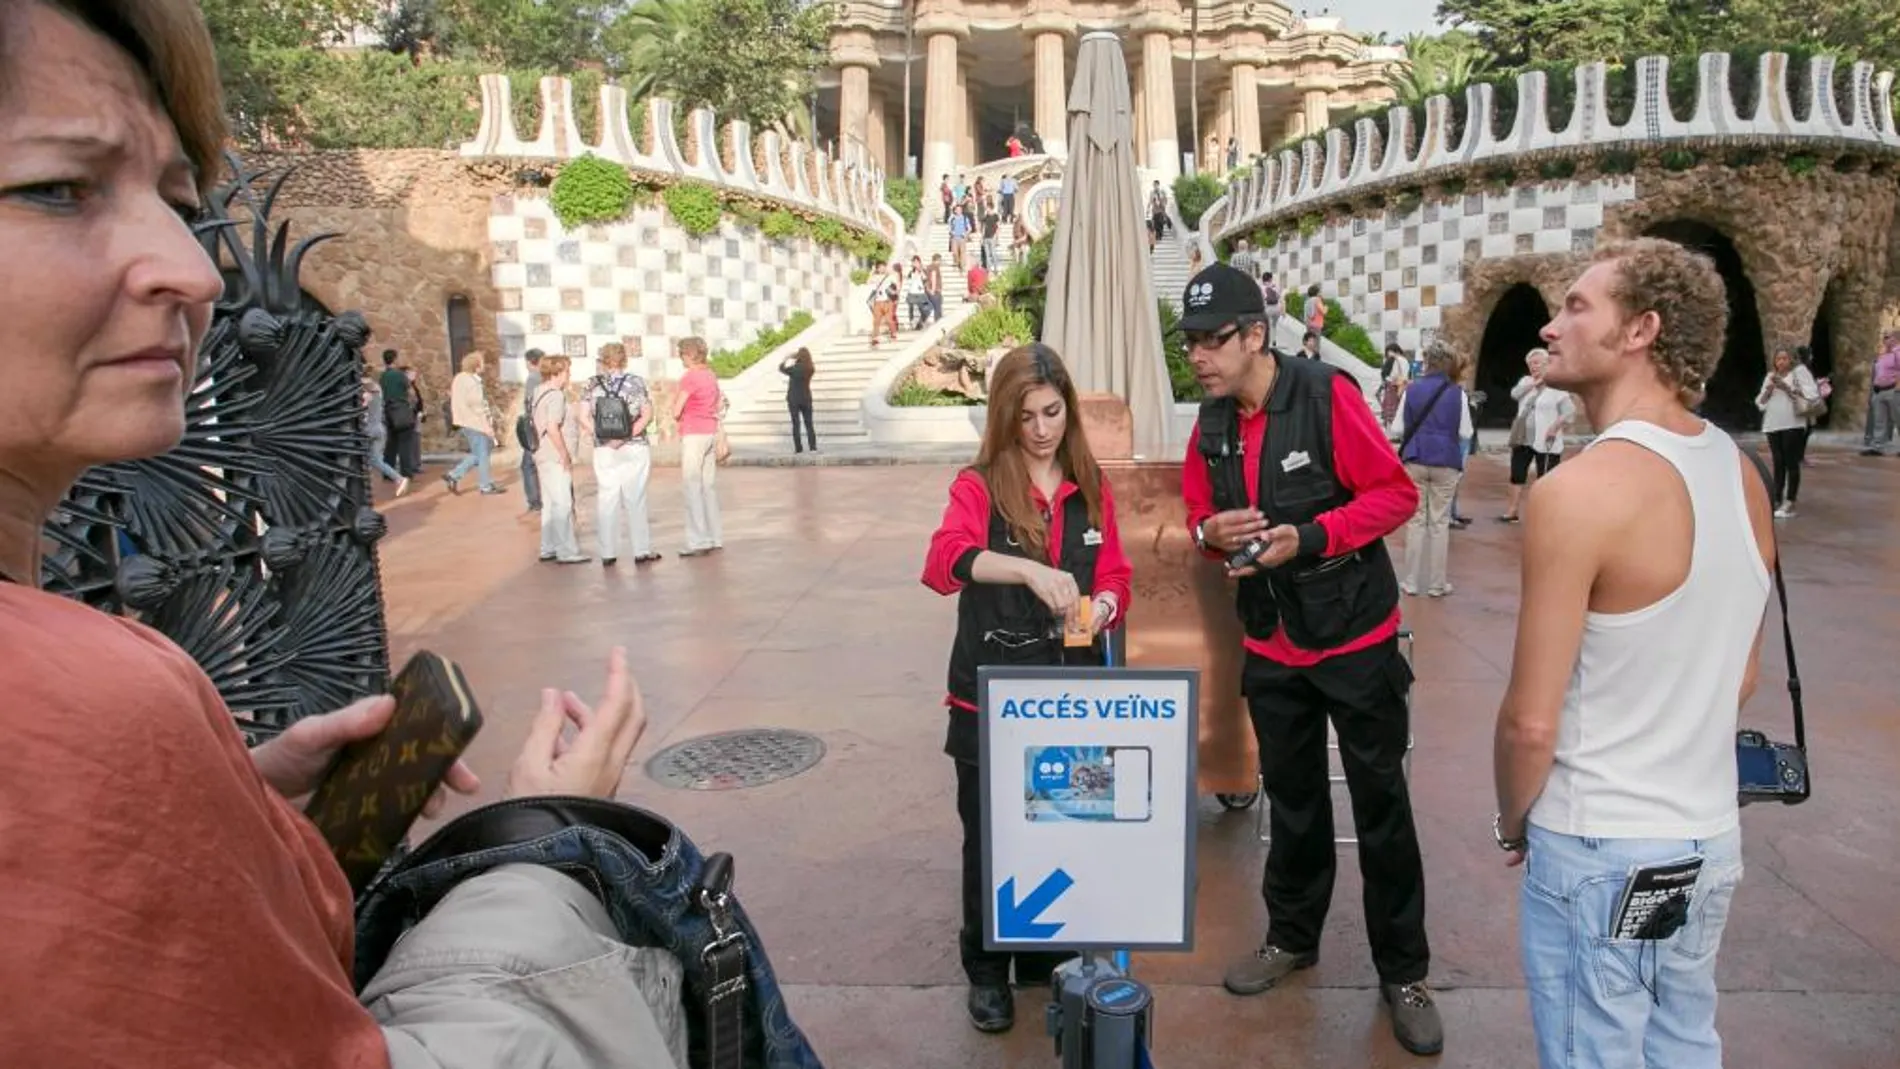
point(1168, 264)
point(844, 364)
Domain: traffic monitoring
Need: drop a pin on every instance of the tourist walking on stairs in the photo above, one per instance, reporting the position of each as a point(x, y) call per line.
point(797, 369)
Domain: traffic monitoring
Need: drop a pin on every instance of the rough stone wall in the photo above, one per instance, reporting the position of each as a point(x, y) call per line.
point(1796, 235)
point(1486, 282)
point(414, 227)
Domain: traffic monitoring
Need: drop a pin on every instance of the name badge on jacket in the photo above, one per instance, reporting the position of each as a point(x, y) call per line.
point(1091, 537)
point(1295, 461)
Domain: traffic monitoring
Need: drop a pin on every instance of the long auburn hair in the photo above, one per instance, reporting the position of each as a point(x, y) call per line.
point(803, 359)
point(1000, 459)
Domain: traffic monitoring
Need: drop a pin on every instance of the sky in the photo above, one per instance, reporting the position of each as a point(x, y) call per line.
point(1396, 17)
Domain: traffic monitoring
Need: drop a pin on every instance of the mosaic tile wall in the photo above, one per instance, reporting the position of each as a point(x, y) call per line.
point(1395, 274)
point(647, 278)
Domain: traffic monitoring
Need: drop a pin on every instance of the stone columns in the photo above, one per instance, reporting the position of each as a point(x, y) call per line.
point(1138, 99)
point(854, 107)
point(1318, 114)
point(966, 126)
point(1246, 93)
point(876, 140)
point(1157, 74)
point(943, 107)
point(1295, 125)
point(1052, 91)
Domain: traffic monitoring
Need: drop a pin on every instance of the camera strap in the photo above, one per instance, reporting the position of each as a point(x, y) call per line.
point(1781, 596)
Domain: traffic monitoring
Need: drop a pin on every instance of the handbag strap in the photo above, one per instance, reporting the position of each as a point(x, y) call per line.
point(1411, 429)
point(725, 961)
point(1781, 596)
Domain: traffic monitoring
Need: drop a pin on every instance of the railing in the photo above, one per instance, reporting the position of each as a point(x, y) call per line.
point(1277, 187)
point(770, 165)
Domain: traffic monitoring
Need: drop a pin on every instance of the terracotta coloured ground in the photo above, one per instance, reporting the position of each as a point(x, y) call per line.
point(813, 618)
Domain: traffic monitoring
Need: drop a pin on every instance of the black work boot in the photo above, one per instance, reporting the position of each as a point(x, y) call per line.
point(992, 1009)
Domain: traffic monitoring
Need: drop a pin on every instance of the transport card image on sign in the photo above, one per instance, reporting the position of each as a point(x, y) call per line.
point(1088, 807)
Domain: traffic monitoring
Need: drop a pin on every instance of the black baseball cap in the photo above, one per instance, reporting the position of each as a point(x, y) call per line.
point(1217, 296)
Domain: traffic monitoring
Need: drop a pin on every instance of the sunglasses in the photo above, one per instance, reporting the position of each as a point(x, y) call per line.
point(1200, 339)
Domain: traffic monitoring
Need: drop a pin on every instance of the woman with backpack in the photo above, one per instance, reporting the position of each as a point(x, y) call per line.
point(1029, 545)
point(616, 410)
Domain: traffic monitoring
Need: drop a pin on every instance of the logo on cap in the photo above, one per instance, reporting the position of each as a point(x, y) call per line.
point(1200, 294)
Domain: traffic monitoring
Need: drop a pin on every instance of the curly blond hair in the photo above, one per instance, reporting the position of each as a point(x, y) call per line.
point(1687, 294)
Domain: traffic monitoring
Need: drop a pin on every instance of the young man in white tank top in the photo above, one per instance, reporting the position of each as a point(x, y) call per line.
point(1645, 579)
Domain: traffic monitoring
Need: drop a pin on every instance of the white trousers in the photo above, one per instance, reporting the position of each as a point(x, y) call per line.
point(620, 478)
point(1428, 533)
point(557, 510)
point(698, 468)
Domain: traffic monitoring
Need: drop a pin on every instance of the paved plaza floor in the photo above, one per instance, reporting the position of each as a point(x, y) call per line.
point(813, 618)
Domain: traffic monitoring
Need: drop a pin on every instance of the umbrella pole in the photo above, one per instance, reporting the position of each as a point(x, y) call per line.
point(1194, 76)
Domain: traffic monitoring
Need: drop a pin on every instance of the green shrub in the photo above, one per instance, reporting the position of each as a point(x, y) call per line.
point(1618, 161)
point(782, 226)
point(1679, 159)
point(906, 198)
point(914, 394)
point(859, 276)
point(727, 364)
point(1194, 194)
point(1555, 170)
point(1024, 286)
point(746, 213)
point(1174, 351)
point(1339, 330)
point(694, 206)
point(1797, 165)
point(592, 190)
point(993, 327)
point(828, 231)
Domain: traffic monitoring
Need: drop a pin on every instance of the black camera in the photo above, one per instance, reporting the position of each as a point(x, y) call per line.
point(1244, 556)
point(1770, 771)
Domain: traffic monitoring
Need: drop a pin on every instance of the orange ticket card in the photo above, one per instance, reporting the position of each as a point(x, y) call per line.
point(1080, 629)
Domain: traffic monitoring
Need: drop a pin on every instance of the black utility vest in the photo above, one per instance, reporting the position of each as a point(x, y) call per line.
point(1325, 602)
point(1007, 624)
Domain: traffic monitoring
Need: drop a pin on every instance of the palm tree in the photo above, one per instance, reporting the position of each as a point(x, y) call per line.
point(639, 40)
point(1437, 65)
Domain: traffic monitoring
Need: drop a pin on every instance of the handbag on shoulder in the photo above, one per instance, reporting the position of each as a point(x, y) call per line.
point(1770, 771)
point(658, 888)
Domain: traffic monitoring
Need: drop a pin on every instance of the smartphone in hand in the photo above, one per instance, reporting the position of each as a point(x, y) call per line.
point(378, 786)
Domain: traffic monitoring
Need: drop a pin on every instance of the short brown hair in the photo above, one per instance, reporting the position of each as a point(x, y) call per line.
point(1687, 294)
point(553, 367)
point(168, 42)
point(613, 356)
point(693, 349)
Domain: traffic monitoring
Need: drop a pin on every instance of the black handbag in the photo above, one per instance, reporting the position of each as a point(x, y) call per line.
point(1770, 771)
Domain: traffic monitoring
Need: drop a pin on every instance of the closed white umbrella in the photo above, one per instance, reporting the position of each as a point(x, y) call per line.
point(1101, 307)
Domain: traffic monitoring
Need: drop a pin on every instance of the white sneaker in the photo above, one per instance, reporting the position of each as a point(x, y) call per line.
point(1408, 590)
point(402, 486)
point(1785, 512)
point(1438, 591)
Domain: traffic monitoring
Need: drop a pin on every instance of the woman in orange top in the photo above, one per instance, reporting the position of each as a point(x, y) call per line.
point(165, 905)
point(1028, 542)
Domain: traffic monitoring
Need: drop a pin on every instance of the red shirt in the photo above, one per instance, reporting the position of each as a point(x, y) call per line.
point(965, 532)
point(1364, 462)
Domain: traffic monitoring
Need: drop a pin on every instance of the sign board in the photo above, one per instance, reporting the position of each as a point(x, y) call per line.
point(1088, 807)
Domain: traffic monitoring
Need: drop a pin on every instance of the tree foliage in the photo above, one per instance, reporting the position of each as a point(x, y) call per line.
point(1438, 63)
point(1523, 33)
point(761, 73)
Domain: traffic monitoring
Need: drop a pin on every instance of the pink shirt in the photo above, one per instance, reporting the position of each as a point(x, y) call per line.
point(1887, 369)
point(701, 414)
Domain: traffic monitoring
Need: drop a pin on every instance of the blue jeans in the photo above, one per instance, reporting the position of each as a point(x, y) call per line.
point(479, 446)
point(1597, 1001)
point(377, 462)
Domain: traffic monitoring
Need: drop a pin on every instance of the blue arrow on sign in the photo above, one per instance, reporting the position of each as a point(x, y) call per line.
point(1017, 920)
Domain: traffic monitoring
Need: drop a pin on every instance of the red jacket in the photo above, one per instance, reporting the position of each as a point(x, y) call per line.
point(1384, 497)
point(965, 532)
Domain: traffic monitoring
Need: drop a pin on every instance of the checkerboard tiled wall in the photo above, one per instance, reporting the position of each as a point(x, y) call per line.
point(1395, 273)
point(570, 293)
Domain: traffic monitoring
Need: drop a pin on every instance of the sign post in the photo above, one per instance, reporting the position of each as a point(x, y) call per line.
point(1088, 807)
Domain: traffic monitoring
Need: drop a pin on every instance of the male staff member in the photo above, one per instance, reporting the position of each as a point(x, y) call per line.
point(1288, 469)
point(1645, 580)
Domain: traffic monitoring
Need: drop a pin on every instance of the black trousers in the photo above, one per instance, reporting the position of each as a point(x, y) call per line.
point(1787, 449)
point(986, 967)
point(1364, 693)
point(403, 451)
point(802, 410)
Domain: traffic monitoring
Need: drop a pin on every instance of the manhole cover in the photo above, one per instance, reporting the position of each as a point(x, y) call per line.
point(734, 759)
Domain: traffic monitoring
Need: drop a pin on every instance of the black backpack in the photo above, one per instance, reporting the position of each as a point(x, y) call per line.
point(524, 425)
point(613, 420)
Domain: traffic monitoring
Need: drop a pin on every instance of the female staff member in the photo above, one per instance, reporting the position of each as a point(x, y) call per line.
point(1029, 536)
